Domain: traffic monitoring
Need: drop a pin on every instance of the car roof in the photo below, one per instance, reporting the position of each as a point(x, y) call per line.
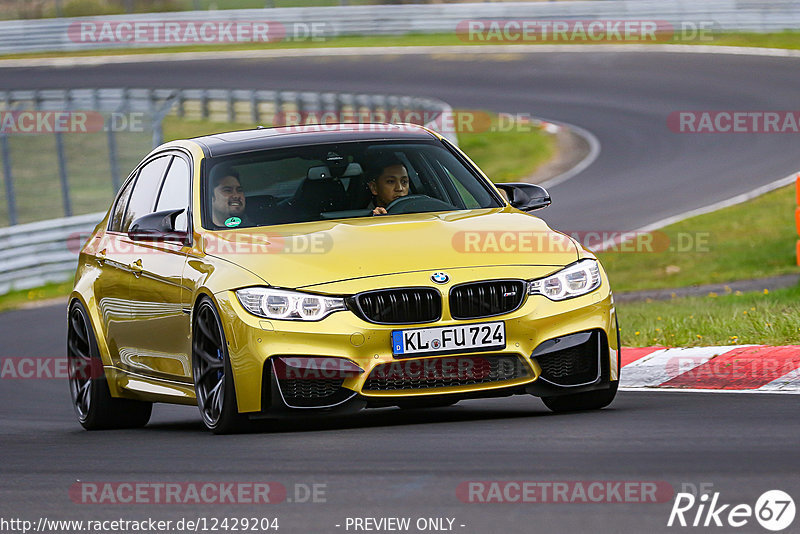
point(224, 144)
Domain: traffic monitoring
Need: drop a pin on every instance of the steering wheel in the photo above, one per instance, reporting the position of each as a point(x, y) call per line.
point(399, 201)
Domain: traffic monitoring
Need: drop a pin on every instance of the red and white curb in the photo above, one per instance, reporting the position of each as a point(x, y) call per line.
point(740, 368)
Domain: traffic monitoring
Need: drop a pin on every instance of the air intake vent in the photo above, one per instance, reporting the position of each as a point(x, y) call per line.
point(409, 305)
point(447, 371)
point(572, 360)
point(486, 299)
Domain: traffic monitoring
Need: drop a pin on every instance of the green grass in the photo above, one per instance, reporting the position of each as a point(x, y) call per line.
point(786, 39)
point(755, 239)
point(507, 156)
point(39, 195)
point(35, 172)
point(17, 299)
point(504, 155)
point(770, 318)
point(751, 240)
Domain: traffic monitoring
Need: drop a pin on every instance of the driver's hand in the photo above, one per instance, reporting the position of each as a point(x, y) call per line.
point(379, 211)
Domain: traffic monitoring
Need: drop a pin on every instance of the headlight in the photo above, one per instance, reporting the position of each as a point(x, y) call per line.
point(573, 281)
point(291, 305)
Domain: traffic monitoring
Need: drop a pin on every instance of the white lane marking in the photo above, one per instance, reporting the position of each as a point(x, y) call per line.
point(390, 50)
point(686, 390)
point(474, 49)
point(738, 199)
point(788, 383)
point(594, 152)
point(665, 364)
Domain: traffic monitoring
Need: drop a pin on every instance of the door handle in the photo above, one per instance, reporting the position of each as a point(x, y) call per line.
point(101, 257)
point(136, 268)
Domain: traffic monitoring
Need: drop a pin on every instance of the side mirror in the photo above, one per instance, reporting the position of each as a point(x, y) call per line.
point(524, 196)
point(158, 226)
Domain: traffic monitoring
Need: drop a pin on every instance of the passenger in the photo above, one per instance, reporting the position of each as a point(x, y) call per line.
point(227, 198)
point(388, 181)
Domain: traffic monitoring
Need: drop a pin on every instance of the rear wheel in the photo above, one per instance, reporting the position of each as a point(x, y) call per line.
point(211, 369)
point(95, 407)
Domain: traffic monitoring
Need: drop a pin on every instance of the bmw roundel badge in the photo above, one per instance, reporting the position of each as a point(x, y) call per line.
point(440, 278)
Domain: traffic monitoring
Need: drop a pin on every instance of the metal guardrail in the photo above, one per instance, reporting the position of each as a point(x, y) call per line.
point(727, 15)
point(221, 105)
point(37, 253)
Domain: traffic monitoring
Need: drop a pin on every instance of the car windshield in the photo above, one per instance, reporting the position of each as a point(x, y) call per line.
point(338, 181)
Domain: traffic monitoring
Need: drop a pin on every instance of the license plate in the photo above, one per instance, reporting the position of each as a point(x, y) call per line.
point(449, 339)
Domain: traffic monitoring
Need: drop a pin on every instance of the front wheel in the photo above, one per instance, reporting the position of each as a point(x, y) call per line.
point(95, 407)
point(211, 369)
point(588, 400)
point(417, 404)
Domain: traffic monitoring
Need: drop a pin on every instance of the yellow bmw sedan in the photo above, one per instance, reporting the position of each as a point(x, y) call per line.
point(283, 272)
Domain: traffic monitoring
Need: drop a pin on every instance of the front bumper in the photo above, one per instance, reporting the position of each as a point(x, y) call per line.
point(256, 345)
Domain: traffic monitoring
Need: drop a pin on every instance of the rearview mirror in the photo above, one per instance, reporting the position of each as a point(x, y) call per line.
point(158, 226)
point(524, 196)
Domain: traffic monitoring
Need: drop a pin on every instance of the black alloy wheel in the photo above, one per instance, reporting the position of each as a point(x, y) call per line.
point(211, 369)
point(95, 407)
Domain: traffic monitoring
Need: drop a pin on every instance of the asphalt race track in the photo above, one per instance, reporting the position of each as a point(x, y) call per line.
point(645, 172)
point(393, 463)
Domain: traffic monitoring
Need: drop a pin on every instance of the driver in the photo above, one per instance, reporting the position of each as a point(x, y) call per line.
point(388, 181)
point(227, 198)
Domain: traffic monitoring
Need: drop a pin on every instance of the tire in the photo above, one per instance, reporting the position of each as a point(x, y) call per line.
point(419, 404)
point(589, 400)
point(95, 407)
point(211, 371)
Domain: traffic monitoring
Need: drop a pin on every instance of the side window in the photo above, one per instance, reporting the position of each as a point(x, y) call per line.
point(119, 209)
point(175, 192)
point(143, 198)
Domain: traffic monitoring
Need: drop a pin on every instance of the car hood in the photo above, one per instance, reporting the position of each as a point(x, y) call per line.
point(308, 254)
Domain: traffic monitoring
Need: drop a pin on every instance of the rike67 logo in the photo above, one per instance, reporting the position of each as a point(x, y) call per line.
point(774, 510)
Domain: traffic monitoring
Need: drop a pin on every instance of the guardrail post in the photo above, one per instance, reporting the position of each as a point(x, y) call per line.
point(204, 105)
point(231, 106)
point(62, 174)
point(797, 217)
point(151, 102)
point(112, 154)
point(180, 101)
point(278, 108)
point(9, 180)
point(255, 115)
